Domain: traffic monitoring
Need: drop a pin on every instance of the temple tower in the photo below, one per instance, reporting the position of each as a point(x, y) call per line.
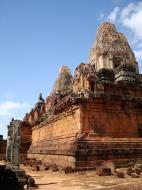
point(112, 51)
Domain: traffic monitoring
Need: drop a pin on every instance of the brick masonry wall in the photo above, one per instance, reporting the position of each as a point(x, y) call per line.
point(64, 125)
point(25, 142)
point(2, 149)
point(104, 127)
point(109, 118)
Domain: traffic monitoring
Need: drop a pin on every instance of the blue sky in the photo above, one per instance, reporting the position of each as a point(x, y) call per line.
point(38, 36)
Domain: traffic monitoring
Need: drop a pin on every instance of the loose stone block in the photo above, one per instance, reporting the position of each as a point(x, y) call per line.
point(134, 175)
point(103, 171)
point(120, 174)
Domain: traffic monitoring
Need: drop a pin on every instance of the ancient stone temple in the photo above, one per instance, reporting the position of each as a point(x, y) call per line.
point(95, 115)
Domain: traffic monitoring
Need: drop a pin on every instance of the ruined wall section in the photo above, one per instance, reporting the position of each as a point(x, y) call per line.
point(25, 141)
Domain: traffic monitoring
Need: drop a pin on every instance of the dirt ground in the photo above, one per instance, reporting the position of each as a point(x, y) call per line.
point(48, 180)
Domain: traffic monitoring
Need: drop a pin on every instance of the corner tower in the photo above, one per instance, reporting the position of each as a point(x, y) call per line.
point(111, 50)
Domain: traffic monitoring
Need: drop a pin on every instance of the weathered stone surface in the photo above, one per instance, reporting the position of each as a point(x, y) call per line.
point(13, 153)
point(101, 171)
point(129, 171)
point(120, 174)
point(25, 140)
point(31, 182)
point(2, 148)
point(68, 170)
point(22, 136)
point(63, 84)
point(111, 48)
point(134, 175)
point(54, 168)
point(13, 143)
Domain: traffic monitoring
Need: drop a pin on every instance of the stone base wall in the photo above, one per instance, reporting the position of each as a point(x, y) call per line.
point(120, 151)
point(61, 161)
point(87, 153)
point(96, 130)
point(54, 141)
point(112, 117)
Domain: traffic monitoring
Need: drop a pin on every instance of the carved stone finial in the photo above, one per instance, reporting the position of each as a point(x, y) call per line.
point(31, 110)
point(26, 114)
point(40, 99)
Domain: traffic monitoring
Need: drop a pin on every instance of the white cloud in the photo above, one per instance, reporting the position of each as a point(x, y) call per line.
point(113, 15)
point(134, 22)
point(130, 17)
point(7, 107)
point(126, 10)
point(131, 8)
point(138, 54)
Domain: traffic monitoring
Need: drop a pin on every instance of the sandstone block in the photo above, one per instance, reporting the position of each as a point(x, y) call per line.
point(101, 171)
point(54, 168)
point(68, 170)
point(120, 174)
point(129, 171)
point(134, 175)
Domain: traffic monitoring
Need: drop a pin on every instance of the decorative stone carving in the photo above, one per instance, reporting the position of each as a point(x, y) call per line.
point(126, 72)
point(40, 102)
